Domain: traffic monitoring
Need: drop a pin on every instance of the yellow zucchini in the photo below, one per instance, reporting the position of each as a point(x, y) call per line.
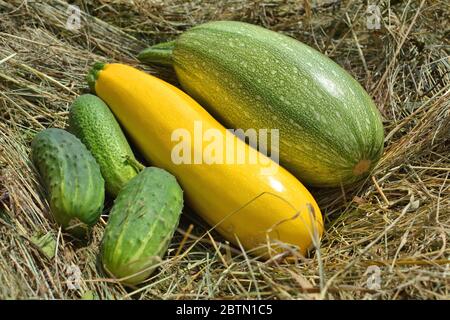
point(244, 203)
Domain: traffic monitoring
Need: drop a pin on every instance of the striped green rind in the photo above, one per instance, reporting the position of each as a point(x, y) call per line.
point(72, 179)
point(93, 75)
point(141, 224)
point(94, 124)
point(250, 77)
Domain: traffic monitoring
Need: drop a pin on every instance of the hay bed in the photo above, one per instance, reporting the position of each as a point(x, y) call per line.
point(398, 219)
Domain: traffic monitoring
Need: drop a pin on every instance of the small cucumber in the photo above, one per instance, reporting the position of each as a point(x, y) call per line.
point(141, 224)
point(95, 125)
point(71, 176)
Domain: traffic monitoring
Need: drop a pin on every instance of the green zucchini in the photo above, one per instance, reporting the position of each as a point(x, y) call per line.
point(330, 130)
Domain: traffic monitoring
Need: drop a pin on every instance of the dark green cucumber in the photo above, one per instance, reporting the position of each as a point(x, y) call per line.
point(74, 185)
point(94, 124)
point(330, 130)
point(141, 224)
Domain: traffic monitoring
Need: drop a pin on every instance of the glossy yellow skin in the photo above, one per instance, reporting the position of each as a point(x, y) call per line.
point(150, 110)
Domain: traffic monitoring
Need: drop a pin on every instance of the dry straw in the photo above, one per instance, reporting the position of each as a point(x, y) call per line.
point(387, 237)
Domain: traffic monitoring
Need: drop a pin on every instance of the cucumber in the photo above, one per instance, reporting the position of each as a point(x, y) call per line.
point(330, 130)
point(94, 124)
point(141, 224)
point(74, 186)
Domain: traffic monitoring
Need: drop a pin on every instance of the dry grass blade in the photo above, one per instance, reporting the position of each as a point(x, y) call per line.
point(386, 237)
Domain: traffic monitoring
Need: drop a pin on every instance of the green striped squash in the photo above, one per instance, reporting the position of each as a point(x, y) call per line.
point(250, 77)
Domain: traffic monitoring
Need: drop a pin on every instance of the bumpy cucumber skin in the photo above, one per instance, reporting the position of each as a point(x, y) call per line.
point(71, 176)
point(91, 120)
point(141, 224)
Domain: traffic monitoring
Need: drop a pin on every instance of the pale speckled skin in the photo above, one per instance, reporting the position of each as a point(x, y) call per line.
point(251, 77)
point(141, 225)
point(72, 179)
point(95, 125)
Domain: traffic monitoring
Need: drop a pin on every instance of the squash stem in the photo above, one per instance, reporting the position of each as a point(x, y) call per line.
point(93, 75)
point(160, 53)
